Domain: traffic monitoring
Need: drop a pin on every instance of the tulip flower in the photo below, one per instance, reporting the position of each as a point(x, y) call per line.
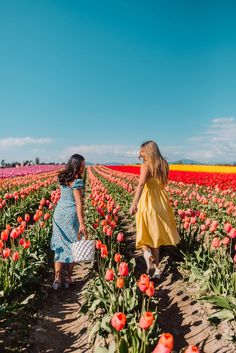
point(120, 237)
point(6, 252)
point(232, 233)
point(192, 349)
point(104, 251)
point(117, 257)
point(109, 276)
point(27, 217)
point(120, 282)
point(123, 269)
point(1, 244)
point(215, 242)
point(143, 282)
point(146, 320)
point(161, 348)
point(26, 244)
point(46, 216)
point(15, 256)
point(98, 244)
point(118, 321)
point(167, 339)
point(151, 289)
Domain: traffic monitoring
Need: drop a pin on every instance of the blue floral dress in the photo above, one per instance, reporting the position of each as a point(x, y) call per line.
point(65, 223)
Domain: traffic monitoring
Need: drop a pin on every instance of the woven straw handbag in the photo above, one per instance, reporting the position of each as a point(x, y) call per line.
point(83, 250)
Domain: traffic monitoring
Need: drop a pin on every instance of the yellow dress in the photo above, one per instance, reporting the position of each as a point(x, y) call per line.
point(155, 220)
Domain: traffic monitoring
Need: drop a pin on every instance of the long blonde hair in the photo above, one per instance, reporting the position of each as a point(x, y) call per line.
point(157, 164)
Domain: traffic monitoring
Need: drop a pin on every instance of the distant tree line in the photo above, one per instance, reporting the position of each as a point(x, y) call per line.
point(5, 164)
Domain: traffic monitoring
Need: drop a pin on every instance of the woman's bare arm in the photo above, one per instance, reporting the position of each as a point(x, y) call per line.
point(142, 180)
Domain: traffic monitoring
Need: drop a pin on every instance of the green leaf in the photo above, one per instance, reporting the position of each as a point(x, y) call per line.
point(123, 347)
point(94, 331)
point(105, 324)
point(218, 301)
point(223, 314)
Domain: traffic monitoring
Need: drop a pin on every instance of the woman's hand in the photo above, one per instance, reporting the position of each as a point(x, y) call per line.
point(82, 230)
point(133, 210)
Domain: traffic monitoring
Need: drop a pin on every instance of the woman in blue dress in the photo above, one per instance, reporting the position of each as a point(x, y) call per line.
point(68, 218)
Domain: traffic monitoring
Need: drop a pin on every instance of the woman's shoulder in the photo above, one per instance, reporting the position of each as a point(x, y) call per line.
point(77, 184)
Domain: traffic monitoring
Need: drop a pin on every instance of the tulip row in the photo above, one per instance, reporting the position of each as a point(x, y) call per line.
point(26, 170)
point(206, 223)
point(135, 326)
point(22, 249)
point(222, 181)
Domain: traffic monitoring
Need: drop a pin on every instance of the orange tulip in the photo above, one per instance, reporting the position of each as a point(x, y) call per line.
point(117, 257)
point(120, 282)
point(167, 339)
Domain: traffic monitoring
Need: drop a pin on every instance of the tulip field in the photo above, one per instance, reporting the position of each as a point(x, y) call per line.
point(119, 300)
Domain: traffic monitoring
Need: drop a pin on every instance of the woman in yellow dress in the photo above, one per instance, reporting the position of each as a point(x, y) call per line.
point(155, 221)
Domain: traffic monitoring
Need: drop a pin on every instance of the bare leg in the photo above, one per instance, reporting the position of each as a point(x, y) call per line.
point(156, 255)
point(57, 281)
point(156, 259)
point(70, 267)
point(58, 269)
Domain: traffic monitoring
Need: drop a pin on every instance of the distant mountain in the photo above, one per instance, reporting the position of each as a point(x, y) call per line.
point(187, 161)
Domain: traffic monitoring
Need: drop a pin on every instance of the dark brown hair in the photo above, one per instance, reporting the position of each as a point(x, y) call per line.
point(72, 170)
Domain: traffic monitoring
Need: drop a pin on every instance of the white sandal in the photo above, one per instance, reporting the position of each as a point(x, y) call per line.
point(56, 284)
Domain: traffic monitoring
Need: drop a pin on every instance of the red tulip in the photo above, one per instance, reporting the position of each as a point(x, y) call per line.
point(4, 234)
point(118, 321)
point(146, 320)
point(27, 217)
point(232, 233)
point(143, 282)
point(15, 256)
point(98, 244)
point(109, 275)
point(6, 252)
point(120, 237)
point(192, 349)
point(26, 244)
point(123, 269)
point(46, 216)
point(19, 219)
point(1, 244)
point(151, 289)
point(104, 251)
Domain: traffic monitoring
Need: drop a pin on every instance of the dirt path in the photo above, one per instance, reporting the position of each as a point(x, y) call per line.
point(185, 317)
point(58, 329)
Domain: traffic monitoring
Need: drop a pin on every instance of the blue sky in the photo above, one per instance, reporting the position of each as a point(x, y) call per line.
point(100, 77)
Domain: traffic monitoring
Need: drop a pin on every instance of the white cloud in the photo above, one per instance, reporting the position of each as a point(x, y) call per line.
point(9, 142)
point(217, 144)
point(103, 153)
